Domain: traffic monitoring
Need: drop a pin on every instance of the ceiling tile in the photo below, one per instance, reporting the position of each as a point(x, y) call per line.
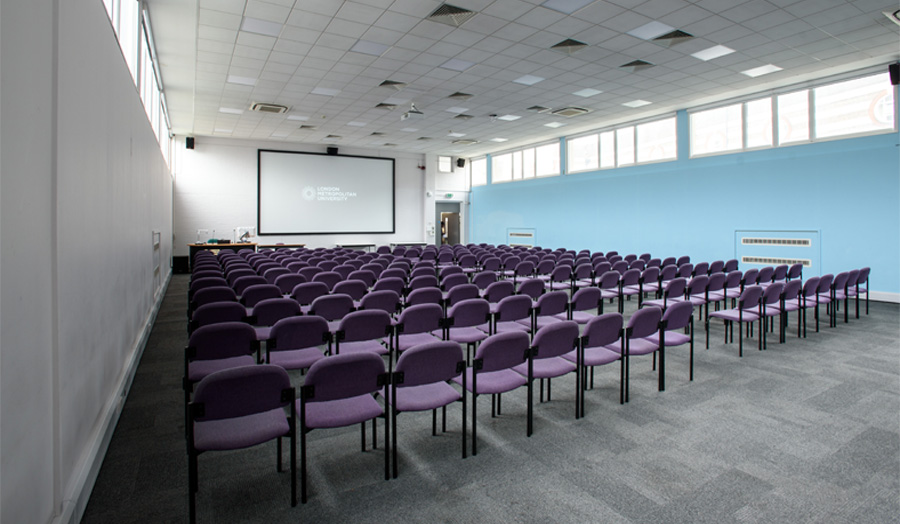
point(267, 11)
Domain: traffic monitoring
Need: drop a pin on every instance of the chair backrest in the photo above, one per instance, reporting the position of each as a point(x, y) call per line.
point(242, 391)
point(552, 303)
point(840, 281)
point(491, 264)
point(255, 294)
point(355, 288)
point(631, 257)
point(682, 260)
point(367, 324)
point(331, 307)
point(698, 285)
point(454, 279)
point(701, 268)
point(750, 297)
point(825, 283)
point(644, 322)
point(310, 271)
point(420, 318)
point(811, 287)
point(669, 261)
point(677, 316)
point(298, 333)
point(585, 298)
point(232, 275)
point(343, 376)
point(864, 275)
point(222, 340)
point(393, 272)
point(668, 272)
point(205, 282)
point(327, 265)
point(462, 292)
point(329, 278)
point(650, 275)
point(515, 307)
point(201, 272)
point(780, 273)
point(792, 289)
point(429, 363)
point(469, 313)
point(716, 282)
point(271, 274)
point(216, 312)
point(533, 287)
point(269, 311)
point(423, 281)
point(286, 283)
point(425, 295)
point(609, 280)
point(853, 279)
point(621, 266)
point(242, 283)
point(524, 268)
point(389, 284)
point(717, 266)
point(216, 294)
point(676, 287)
point(654, 262)
point(499, 290)
point(686, 270)
point(554, 340)
point(602, 330)
point(306, 292)
point(546, 266)
point(601, 267)
point(583, 270)
point(765, 275)
point(751, 277)
point(484, 278)
point(733, 279)
point(772, 293)
point(561, 273)
point(502, 351)
point(630, 277)
point(731, 265)
point(386, 300)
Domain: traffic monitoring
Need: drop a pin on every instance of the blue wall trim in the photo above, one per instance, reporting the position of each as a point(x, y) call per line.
point(847, 189)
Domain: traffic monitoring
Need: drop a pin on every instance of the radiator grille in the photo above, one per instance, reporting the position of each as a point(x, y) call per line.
point(757, 241)
point(771, 261)
point(522, 235)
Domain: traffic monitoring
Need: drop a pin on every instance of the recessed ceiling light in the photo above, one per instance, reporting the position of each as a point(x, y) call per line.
point(260, 27)
point(508, 118)
point(356, 124)
point(281, 134)
point(456, 110)
point(712, 52)
point(409, 129)
point(242, 80)
point(587, 92)
point(455, 135)
point(637, 103)
point(369, 48)
point(566, 6)
point(301, 118)
point(761, 70)
point(651, 30)
point(455, 64)
point(554, 125)
point(499, 139)
point(231, 111)
point(325, 91)
point(528, 80)
point(223, 130)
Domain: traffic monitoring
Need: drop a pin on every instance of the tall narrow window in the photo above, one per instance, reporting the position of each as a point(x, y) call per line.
point(478, 170)
point(759, 123)
point(716, 130)
point(547, 159)
point(582, 153)
point(625, 146)
point(656, 141)
point(793, 117)
point(607, 149)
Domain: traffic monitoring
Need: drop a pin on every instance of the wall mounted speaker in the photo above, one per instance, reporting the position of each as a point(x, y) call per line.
point(332, 150)
point(189, 142)
point(894, 70)
point(460, 162)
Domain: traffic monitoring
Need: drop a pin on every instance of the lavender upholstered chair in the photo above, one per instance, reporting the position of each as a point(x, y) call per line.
point(421, 382)
point(329, 278)
point(339, 391)
point(356, 289)
point(676, 319)
point(307, 292)
point(363, 331)
point(491, 372)
point(546, 309)
point(642, 325)
point(467, 322)
point(546, 361)
point(672, 293)
point(394, 284)
point(509, 313)
point(209, 295)
point(332, 308)
point(216, 312)
point(770, 306)
point(238, 408)
point(601, 343)
point(243, 282)
point(608, 283)
point(294, 342)
point(368, 277)
point(748, 310)
point(582, 305)
point(716, 266)
point(267, 312)
point(271, 274)
point(425, 295)
point(415, 325)
point(255, 294)
point(385, 300)
point(286, 283)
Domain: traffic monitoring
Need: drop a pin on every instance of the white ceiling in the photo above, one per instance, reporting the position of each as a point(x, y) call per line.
point(216, 61)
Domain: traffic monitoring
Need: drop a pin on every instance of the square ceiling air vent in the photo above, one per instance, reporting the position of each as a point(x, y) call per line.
point(464, 117)
point(393, 83)
point(569, 46)
point(306, 127)
point(569, 112)
point(538, 109)
point(674, 37)
point(451, 15)
point(460, 96)
point(387, 107)
point(464, 141)
point(261, 107)
point(637, 65)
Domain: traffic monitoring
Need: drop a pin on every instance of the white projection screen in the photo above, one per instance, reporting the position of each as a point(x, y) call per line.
point(315, 193)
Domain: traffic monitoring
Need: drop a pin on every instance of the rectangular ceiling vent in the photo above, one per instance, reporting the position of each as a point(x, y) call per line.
point(451, 15)
point(464, 117)
point(386, 107)
point(307, 127)
point(673, 37)
point(776, 261)
point(538, 109)
point(464, 141)
point(569, 112)
point(460, 96)
point(569, 46)
point(261, 107)
point(334, 136)
point(637, 65)
point(755, 241)
point(376, 133)
point(393, 83)
point(424, 138)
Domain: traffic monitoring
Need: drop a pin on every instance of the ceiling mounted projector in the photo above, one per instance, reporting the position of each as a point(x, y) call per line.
point(412, 114)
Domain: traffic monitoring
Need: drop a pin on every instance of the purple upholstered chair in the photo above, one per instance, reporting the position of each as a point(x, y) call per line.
point(364, 275)
point(560, 279)
point(344, 270)
point(459, 293)
point(425, 295)
point(765, 276)
point(669, 261)
point(547, 307)
point(386, 300)
point(583, 275)
point(601, 343)
point(791, 301)
point(286, 283)
point(415, 325)
point(643, 324)
point(356, 289)
point(852, 284)
point(205, 282)
point(306, 292)
point(748, 310)
point(715, 291)
point(770, 306)
point(654, 262)
point(581, 306)
point(483, 279)
point(427, 271)
point(338, 392)
point(497, 291)
point(676, 319)
point(629, 285)
point(421, 382)
point(822, 296)
point(546, 361)
point(378, 270)
point(509, 313)
point(242, 283)
point(363, 331)
point(716, 266)
point(533, 287)
point(389, 284)
point(267, 312)
point(838, 293)
point(294, 342)
point(238, 408)
point(271, 274)
point(422, 281)
point(467, 322)
point(332, 308)
point(216, 312)
point(731, 265)
point(209, 295)
point(255, 294)
point(329, 278)
point(795, 271)
point(310, 271)
point(491, 372)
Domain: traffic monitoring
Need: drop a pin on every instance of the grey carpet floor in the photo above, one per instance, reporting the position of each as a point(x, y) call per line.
point(806, 431)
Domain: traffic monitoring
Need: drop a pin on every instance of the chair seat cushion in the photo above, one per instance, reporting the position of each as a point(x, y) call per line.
point(734, 315)
point(493, 382)
point(295, 358)
point(547, 367)
point(673, 338)
point(642, 346)
point(424, 397)
point(512, 325)
point(597, 356)
point(341, 412)
point(466, 335)
point(240, 432)
point(409, 340)
point(200, 368)
point(371, 346)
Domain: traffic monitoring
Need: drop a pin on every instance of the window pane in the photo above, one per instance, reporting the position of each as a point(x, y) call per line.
point(793, 117)
point(716, 130)
point(128, 34)
point(759, 123)
point(582, 153)
point(607, 149)
point(656, 141)
point(517, 165)
point(859, 106)
point(547, 159)
point(501, 168)
point(479, 172)
point(625, 145)
point(445, 164)
point(528, 163)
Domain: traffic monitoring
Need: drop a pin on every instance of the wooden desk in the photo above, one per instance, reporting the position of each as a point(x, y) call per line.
point(277, 246)
point(408, 244)
point(362, 247)
point(196, 248)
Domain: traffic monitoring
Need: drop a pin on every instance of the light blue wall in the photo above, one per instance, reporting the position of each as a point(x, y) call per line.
point(848, 190)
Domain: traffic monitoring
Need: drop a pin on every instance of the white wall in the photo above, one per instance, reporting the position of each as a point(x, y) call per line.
point(215, 188)
point(84, 185)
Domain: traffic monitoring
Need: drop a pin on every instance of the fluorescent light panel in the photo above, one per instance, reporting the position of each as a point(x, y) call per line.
point(455, 64)
point(455, 135)
point(508, 118)
point(528, 80)
point(566, 6)
point(637, 103)
point(761, 70)
point(325, 91)
point(587, 92)
point(712, 53)
point(231, 111)
point(301, 118)
point(369, 48)
point(499, 139)
point(651, 30)
point(356, 124)
point(409, 129)
point(554, 125)
point(456, 110)
point(260, 27)
point(242, 80)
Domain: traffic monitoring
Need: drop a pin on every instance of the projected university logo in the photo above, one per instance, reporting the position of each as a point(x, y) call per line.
point(327, 194)
point(309, 193)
